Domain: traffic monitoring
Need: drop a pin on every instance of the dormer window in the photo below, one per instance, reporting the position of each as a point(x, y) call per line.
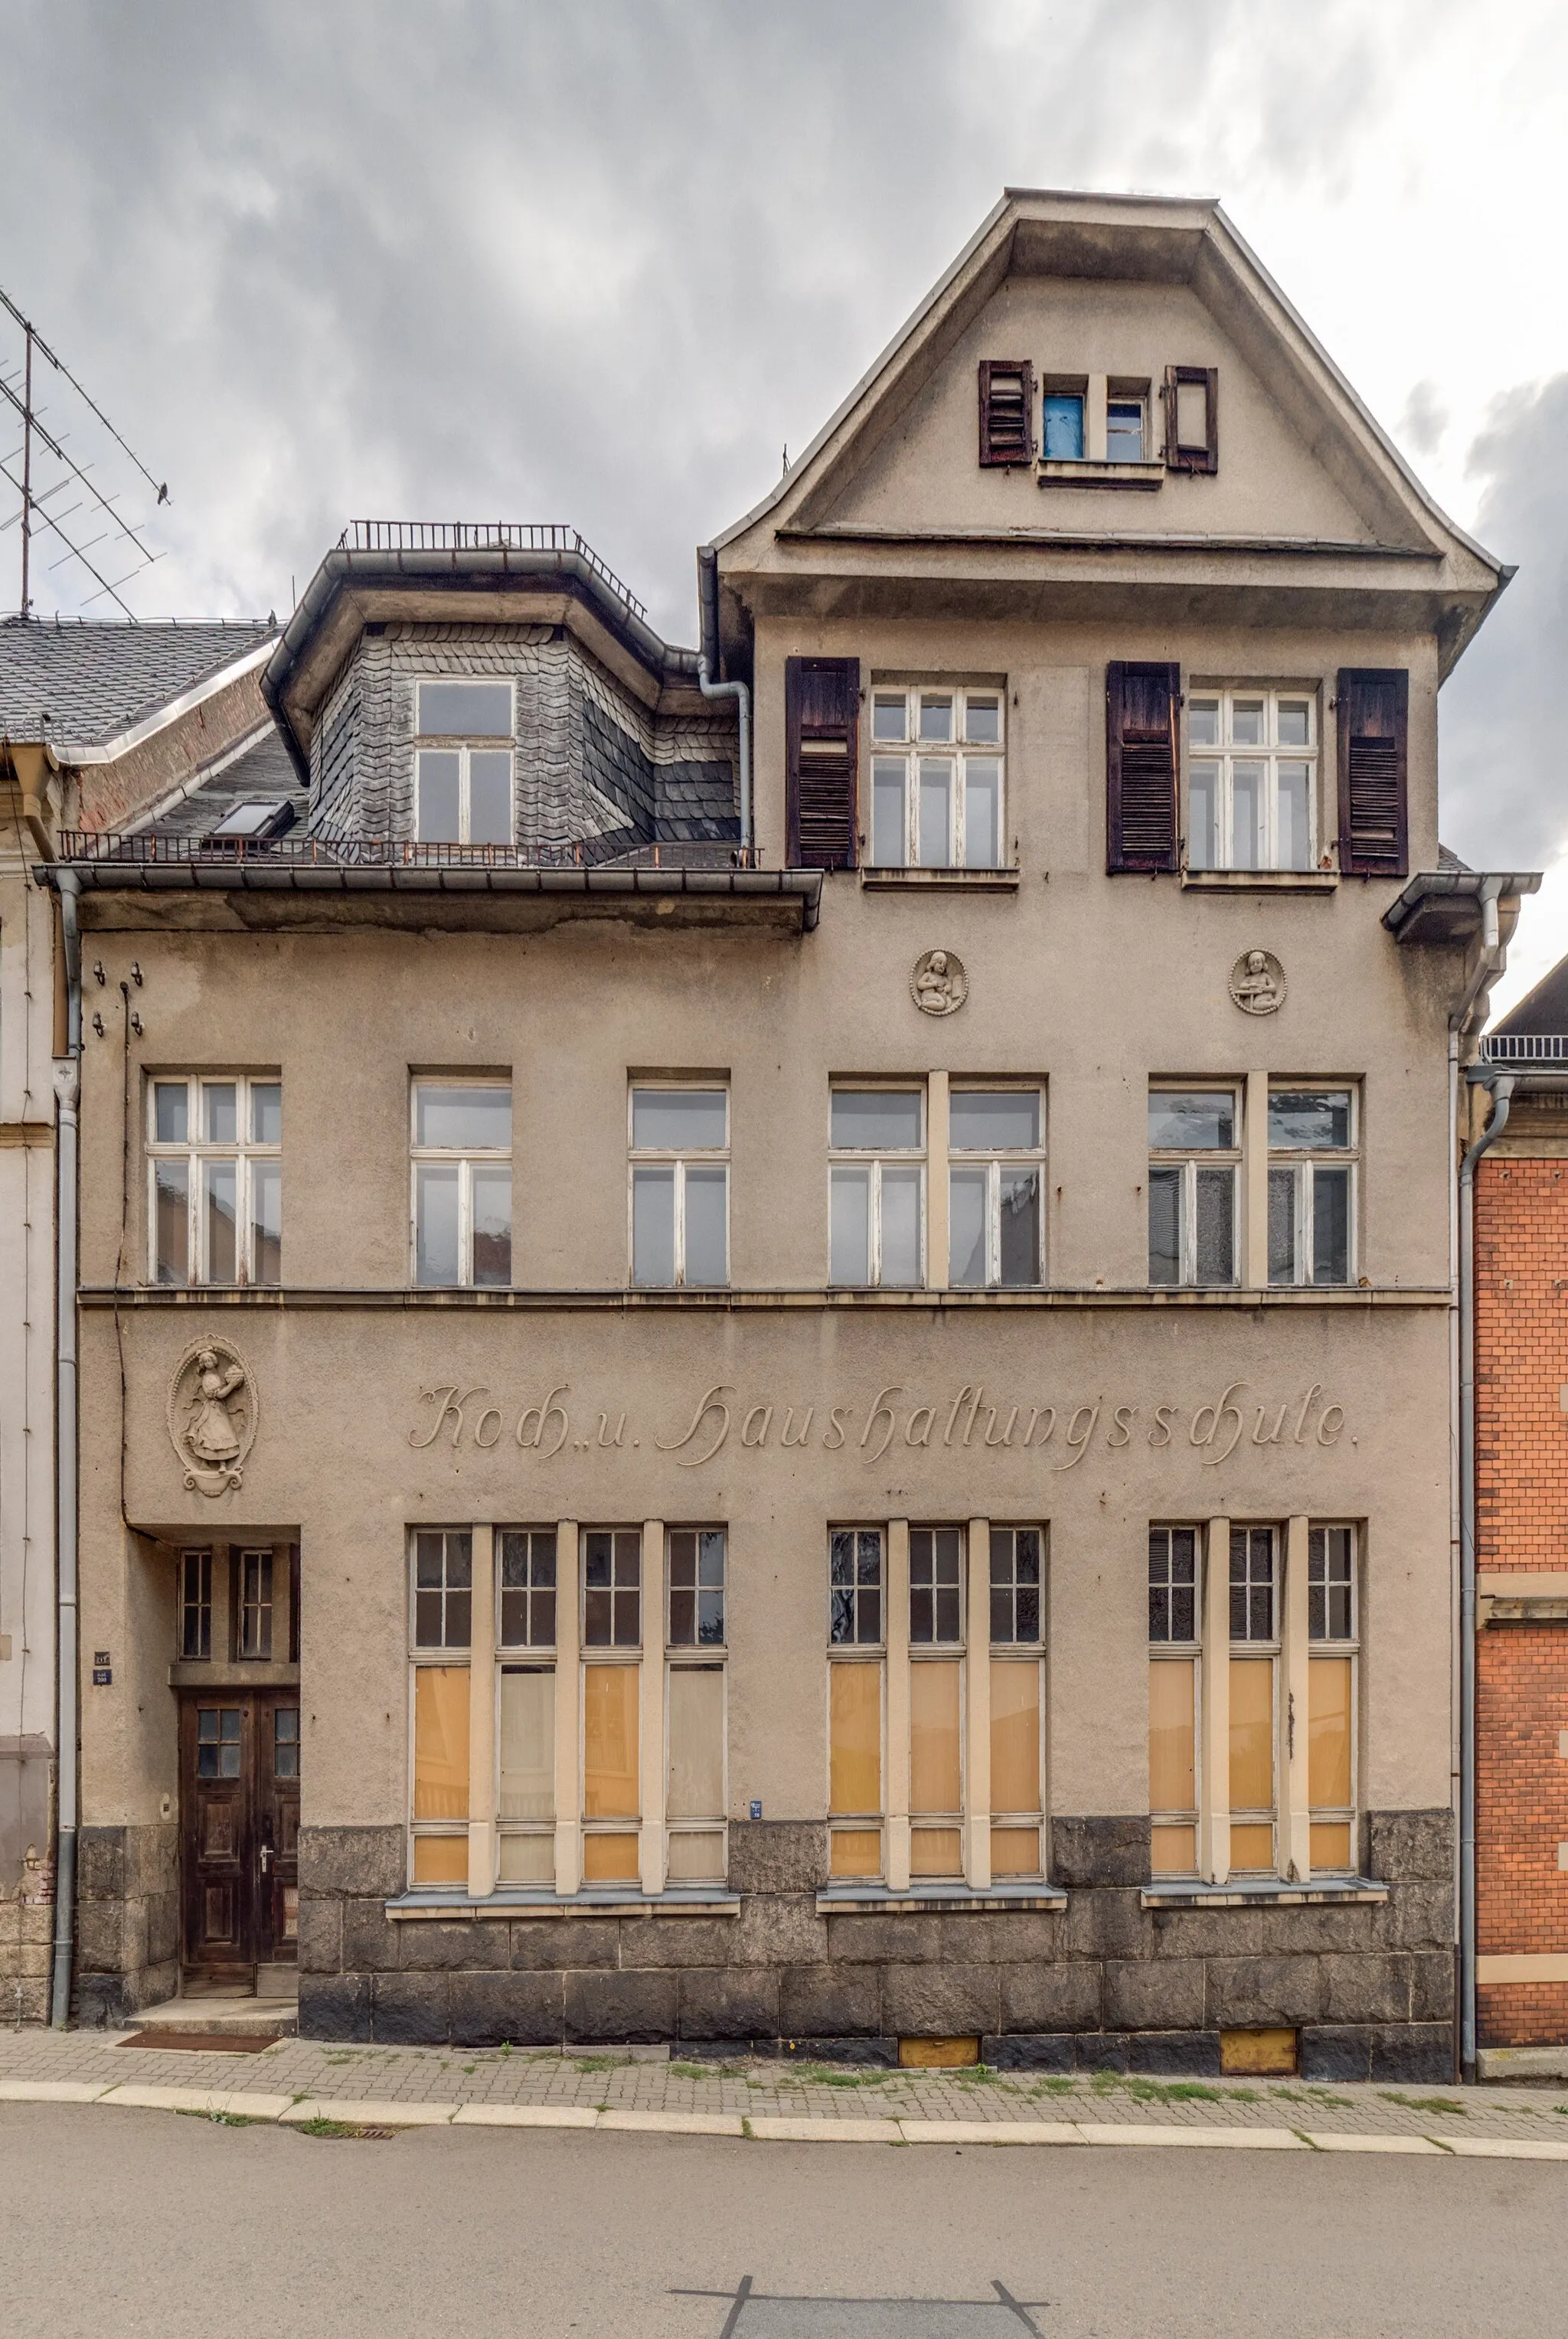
point(464, 785)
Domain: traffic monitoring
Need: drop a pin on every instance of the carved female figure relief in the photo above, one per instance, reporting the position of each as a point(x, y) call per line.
point(211, 1423)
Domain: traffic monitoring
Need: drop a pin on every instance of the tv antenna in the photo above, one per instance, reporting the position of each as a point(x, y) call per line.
point(33, 515)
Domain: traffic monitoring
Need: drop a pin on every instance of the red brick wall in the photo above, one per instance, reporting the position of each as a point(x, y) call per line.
point(1522, 1522)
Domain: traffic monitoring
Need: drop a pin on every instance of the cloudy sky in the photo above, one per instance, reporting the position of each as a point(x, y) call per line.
point(601, 263)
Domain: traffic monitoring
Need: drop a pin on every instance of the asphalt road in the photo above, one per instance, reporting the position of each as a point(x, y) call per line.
point(124, 2223)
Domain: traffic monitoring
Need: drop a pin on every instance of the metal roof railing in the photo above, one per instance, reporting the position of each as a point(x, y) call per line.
point(144, 851)
point(1525, 1048)
point(484, 536)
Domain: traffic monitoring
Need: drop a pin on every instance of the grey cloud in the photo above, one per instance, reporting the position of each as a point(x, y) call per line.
point(1425, 418)
point(472, 259)
point(1505, 805)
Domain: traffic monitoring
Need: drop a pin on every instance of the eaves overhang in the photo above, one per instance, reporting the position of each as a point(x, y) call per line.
point(1447, 905)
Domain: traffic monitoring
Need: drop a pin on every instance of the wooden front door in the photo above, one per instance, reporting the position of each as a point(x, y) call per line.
point(240, 1805)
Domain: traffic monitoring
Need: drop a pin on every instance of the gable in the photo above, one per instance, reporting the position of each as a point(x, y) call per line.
point(1079, 335)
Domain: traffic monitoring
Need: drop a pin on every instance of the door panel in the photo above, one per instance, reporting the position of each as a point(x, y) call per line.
point(217, 1739)
point(278, 1827)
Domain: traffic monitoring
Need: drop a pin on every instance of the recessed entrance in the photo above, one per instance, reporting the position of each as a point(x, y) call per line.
point(240, 1807)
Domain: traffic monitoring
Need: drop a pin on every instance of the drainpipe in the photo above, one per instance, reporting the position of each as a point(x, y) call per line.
point(1503, 1090)
point(67, 1091)
point(707, 667)
point(1488, 965)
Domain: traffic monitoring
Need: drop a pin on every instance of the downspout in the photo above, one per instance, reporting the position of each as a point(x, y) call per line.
point(707, 668)
point(67, 1091)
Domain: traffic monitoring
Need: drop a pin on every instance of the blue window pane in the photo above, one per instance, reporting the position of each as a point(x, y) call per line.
point(1063, 428)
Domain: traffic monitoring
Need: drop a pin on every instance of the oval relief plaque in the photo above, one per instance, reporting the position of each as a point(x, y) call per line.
point(212, 1411)
point(938, 983)
point(1257, 982)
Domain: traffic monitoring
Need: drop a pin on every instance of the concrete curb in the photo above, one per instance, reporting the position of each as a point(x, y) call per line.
point(353, 2112)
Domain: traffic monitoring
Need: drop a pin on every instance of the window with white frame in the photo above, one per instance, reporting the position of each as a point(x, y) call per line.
point(855, 1614)
point(695, 1785)
point(612, 1687)
point(936, 777)
point(1334, 1646)
point(462, 1181)
point(996, 1184)
point(1173, 1698)
point(694, 1559)
point(876, 1187)
point(215, 1179)
point(526, 1704)
point(680, 1184)
point(1194, 1156)
point(1254, 1661)
point(1127, 422)
point(1252, 778)
point(1017, 1581)
point(440, 1617)
point(936, 1764)
point(1017, 1684)
point(463, 784)
point(1311, 1185)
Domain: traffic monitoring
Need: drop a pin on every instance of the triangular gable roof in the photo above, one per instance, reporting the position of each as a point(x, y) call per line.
point(1043, 233)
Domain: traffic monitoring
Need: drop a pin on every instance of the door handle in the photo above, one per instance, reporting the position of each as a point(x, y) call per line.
point(266, 1858)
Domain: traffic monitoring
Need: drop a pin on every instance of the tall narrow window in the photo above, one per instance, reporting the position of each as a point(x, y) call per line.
point(1017, 1675)
point(680, 1185)
point(1252, 785)
point(694, 1787)
point(1173, 1635)
point(526, 1705)
point(463, 787)
point(254, 1637)
point(1193, 1160)
point(1062, 424)
point(935, 1585)
point(995, 1189)
point(526, 1569)
point(1127, 422)
point(854, 1701)
point(936, 778)
point(1254, 1650)
point(440, 1616)
point(876, 1187)
point(196, 1606)
point(215, 1173)
point(462, 1174)
point(1311, 1188)
point(695, 1566)
point(612, 1703)
point(612, 1588)
point(1331, 1635)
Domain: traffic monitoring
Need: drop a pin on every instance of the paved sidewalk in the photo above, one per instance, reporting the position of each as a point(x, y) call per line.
point(643, 2087)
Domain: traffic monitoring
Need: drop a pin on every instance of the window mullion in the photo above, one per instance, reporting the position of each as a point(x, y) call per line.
point(465, 1221)
point(678, 1231)
point(955, 799)
point(993, 1222)
point(874, 1246)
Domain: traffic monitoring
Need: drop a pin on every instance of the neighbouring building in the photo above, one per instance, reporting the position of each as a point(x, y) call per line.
point(775, 1366)
point(1521, 1539)
point(100, 724)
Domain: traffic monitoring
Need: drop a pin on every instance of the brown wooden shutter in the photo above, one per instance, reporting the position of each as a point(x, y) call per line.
point(1190, 451)
point(1374, 809)
point(1006, 411)
point(822, 732)
point(1141, 761)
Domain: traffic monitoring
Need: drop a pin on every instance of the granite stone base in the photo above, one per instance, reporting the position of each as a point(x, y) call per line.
point(127, 1920)
point(1104, 1984)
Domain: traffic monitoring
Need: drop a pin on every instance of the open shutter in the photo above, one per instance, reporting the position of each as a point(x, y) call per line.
point(1374, 810)
point(1192, 417)
point(821, 730)
point(1141, 817)
point(1006, 411)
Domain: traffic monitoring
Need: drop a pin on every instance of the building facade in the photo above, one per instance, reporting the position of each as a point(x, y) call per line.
point(99, 724)
point(774, 1366)
point(1521, 1542)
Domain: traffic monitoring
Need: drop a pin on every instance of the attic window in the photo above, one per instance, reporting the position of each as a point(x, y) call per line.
point(255, 820)
point(1191, 418)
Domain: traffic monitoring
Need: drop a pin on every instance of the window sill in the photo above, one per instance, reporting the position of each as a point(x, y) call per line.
point(447, 1904)
point(932, 1899)
point(1259, 881)
point(1086, 473)
point(937, 880)
point(1186, 1893)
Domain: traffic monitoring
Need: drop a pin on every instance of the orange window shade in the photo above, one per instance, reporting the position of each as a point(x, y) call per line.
point(1252, 1847)
point(1015, 1852)
point(1329, 1733)
point(1172, 1767)
point(1331, 1845)
point(1173, 1851)
point(855, 1852)
point(855, 1742)
point(935, 1852)
point(935, 1782)
point(610, 1743)
point(1014, 1738)
point(441, 1742)
point(440, 1860)
point(1251, 1733)
point(609, 1859)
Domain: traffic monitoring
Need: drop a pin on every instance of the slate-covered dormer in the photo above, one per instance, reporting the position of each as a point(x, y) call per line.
point(496, 691)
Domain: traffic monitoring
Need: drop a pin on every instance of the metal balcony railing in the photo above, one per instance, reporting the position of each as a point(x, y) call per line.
point(1525, 1048)
point(394, 852)
point(483, 535)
